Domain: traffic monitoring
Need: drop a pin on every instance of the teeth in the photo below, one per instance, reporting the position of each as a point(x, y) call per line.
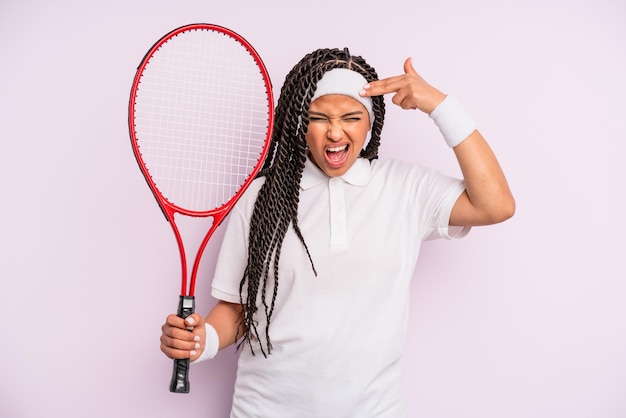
point(337, 149)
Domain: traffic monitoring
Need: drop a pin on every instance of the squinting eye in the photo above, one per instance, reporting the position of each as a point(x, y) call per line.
point(317, 119)
point(355, 119)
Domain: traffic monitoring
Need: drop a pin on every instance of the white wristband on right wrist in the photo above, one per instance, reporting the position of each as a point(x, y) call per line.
point(212, 344)
point(453, 121)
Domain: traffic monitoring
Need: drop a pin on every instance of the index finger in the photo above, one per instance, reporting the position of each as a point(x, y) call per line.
point(187, 323)
point(380, 87)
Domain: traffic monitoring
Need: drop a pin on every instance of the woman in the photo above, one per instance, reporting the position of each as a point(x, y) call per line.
point(317, 258)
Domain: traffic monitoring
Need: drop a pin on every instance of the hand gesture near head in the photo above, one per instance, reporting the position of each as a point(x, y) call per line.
point(410, 90)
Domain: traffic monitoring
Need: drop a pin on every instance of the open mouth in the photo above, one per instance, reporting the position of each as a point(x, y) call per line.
point(336, 156)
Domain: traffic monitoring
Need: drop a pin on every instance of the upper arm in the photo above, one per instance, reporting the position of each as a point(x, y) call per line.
point(465, 213)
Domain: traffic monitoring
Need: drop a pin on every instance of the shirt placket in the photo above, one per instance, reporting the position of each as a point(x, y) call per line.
point(338, 228)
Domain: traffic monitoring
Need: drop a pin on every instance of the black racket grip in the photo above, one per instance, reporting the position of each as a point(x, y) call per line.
point(180, 375)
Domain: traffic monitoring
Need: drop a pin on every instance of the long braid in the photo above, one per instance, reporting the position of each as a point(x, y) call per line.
point(276, 207)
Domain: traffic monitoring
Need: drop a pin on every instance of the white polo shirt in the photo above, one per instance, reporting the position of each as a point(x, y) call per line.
point(338, 337)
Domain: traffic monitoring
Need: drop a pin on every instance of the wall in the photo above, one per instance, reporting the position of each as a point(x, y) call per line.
point(519, 320)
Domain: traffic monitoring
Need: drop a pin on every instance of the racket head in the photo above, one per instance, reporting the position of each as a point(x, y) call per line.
point(200, 118)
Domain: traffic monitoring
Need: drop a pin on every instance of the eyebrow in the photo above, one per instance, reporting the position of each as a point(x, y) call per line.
point(345, 115)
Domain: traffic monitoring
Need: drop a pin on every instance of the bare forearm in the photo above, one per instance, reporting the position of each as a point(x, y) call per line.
point(226, 319)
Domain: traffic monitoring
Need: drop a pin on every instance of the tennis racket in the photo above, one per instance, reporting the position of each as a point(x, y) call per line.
point(200, 119)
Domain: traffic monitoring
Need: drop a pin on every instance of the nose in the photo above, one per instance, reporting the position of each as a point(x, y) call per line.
point(334, 130)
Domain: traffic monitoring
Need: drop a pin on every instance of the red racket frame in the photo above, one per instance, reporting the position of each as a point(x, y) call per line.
point(169, 209)
point(180, 376)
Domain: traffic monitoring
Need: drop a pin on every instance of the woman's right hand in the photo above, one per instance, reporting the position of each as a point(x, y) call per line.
point(183, 338)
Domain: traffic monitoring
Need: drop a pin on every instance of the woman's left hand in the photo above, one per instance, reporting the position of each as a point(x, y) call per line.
point(410, 90)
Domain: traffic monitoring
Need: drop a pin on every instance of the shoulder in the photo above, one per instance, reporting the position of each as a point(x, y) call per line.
point(416, 179)
point(245, 204)
point(255, 186)
point(398, 170)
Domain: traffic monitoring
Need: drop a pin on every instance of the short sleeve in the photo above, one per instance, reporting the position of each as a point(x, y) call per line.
point(435, 197)
point(443, 228)
point(233, 255)
point(231, 261)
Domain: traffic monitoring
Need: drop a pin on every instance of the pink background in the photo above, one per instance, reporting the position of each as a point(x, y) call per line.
point(520, 320)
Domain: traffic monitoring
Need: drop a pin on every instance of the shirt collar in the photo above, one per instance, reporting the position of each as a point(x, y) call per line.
point(357, 175)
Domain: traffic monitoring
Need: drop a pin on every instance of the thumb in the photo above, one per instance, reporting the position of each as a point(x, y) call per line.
point(408, 66)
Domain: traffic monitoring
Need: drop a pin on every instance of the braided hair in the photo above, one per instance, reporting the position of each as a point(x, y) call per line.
point(276, 206)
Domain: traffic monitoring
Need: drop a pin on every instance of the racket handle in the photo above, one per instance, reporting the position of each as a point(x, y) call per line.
point(180, 375)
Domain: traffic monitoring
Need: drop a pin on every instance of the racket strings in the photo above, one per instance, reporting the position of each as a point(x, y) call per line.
point(201, 118)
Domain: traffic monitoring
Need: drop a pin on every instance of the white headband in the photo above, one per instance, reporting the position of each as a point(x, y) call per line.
point(346, 82)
